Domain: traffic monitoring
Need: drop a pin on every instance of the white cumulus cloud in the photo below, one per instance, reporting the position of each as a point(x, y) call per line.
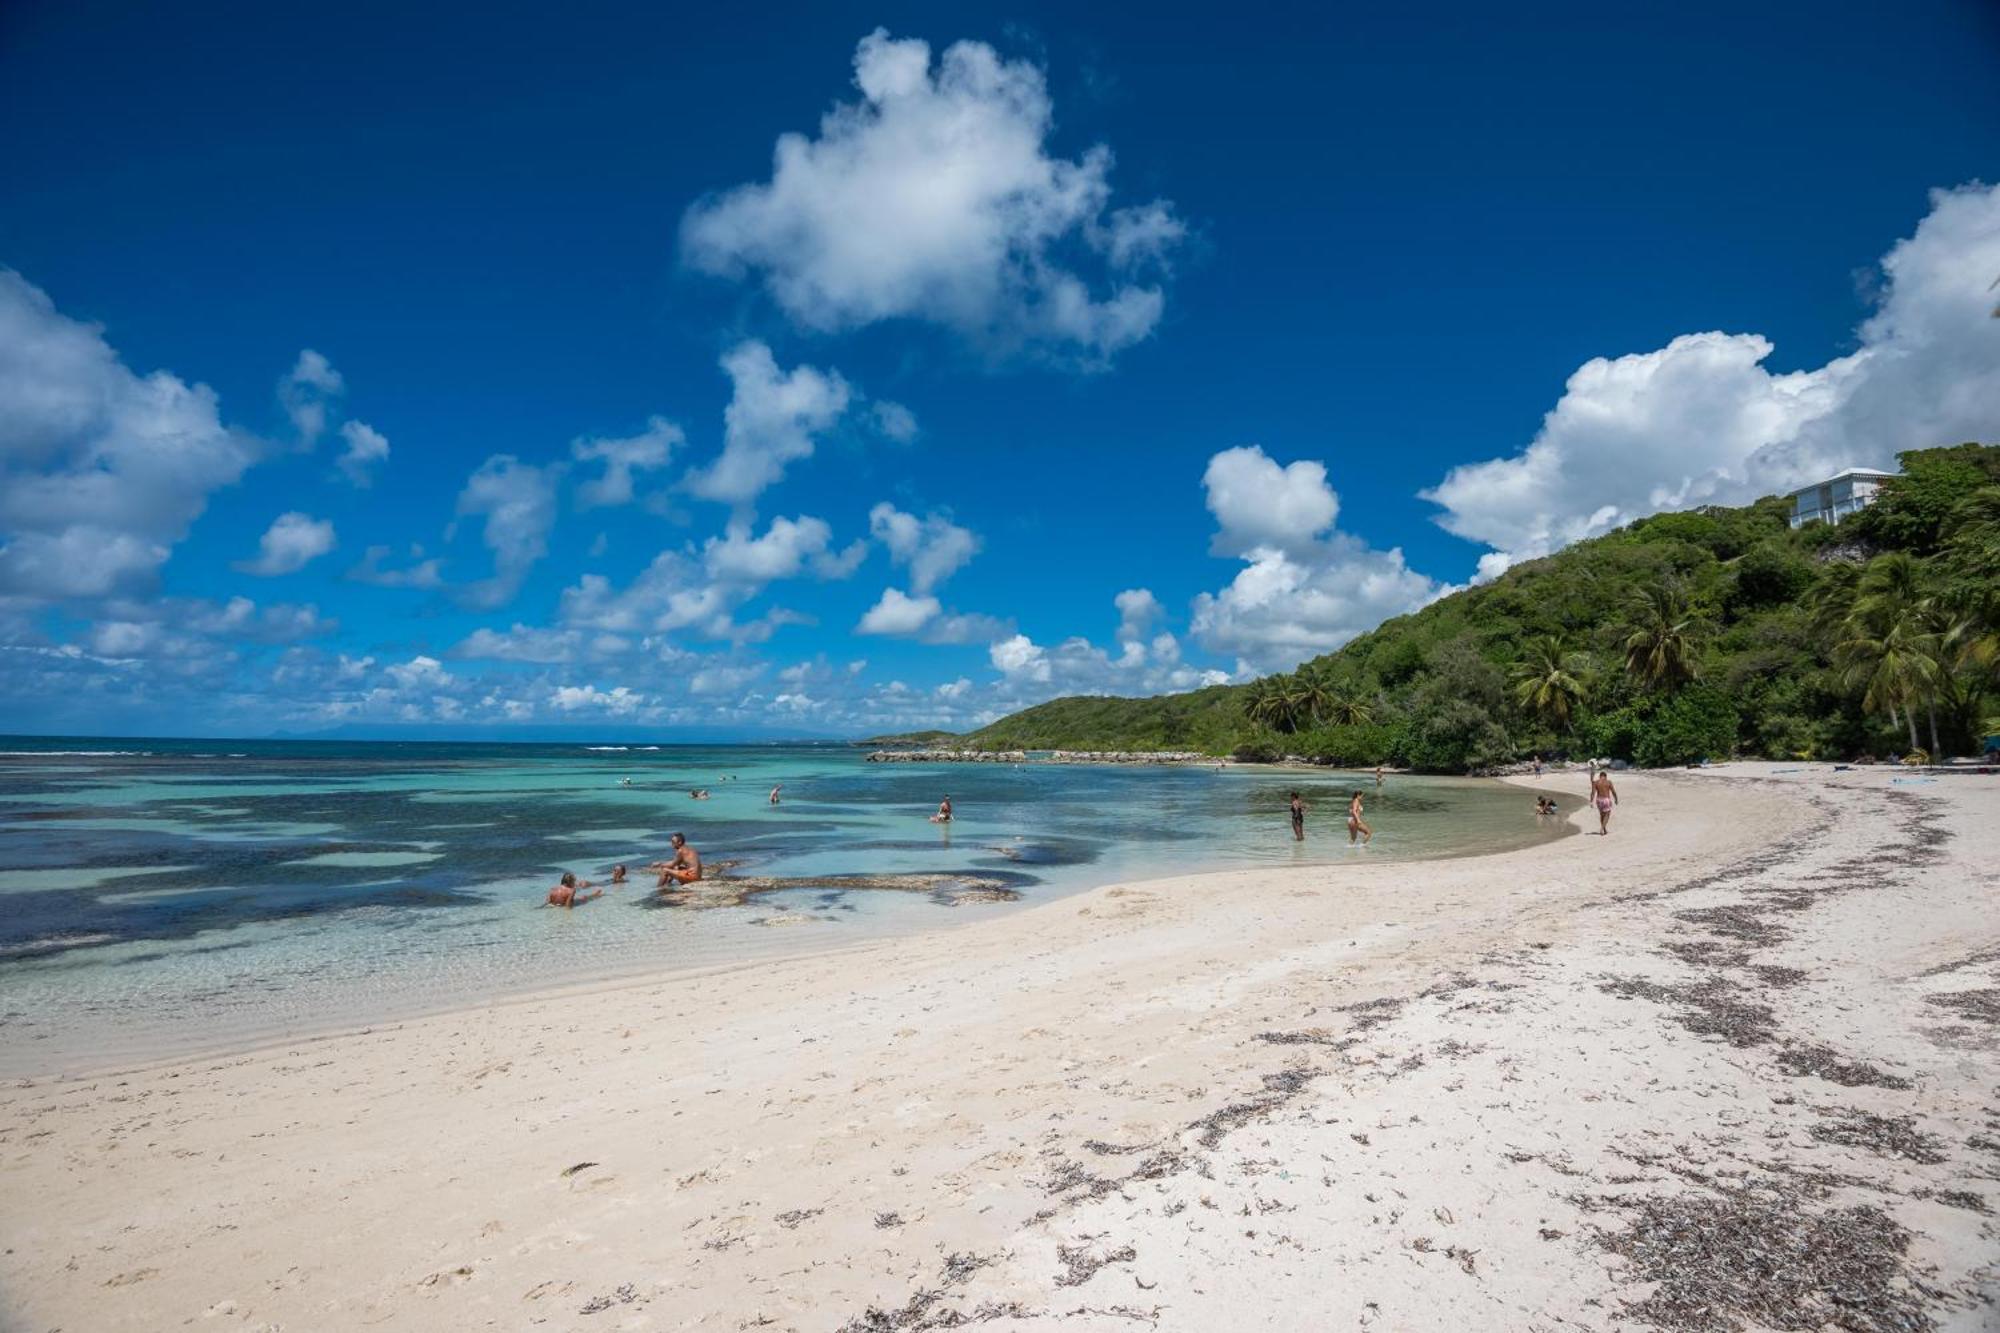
point(772, 419)
point(1306, 588)
point(933, 548)
point(307, 392)
point(897, 613)
point(101, 470)
point(935, 198)
point(1702, 420)
point(366, 447)
point(517, 502)
point(649, 450)
point(291, 542)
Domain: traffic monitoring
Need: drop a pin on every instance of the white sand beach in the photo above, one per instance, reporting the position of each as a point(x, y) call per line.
point(1739, 1060)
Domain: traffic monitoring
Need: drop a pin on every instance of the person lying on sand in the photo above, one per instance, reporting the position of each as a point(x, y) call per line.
point(565, 895)
point(684, 869)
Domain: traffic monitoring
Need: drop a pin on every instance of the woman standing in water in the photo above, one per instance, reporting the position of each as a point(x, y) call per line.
point(1298, 818)
point(1355, 824)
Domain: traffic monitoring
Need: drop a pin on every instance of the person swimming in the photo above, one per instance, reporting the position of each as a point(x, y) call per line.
point(565, 893)
point(774, 792)
point(684, 869)
point(618, 874)
point(1355, 823)
point(1298, 818)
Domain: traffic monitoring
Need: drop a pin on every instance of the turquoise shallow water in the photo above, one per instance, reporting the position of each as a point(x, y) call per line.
point(165, 897)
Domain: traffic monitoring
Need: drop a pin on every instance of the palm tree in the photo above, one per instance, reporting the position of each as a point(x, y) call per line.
point(1549, 681)
point(1313, 690)
point(1663, 637)
point(1349, 707)
point(1895, 666)
point(1894, 626)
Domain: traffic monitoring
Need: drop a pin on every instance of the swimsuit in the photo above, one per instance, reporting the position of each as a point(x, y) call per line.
point(1604, 804)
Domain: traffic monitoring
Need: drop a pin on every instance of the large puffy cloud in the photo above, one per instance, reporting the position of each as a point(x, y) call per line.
point(1258, 504)
point(291, 542)
point(517, 503)
point(1306, 588)
point(772, 418)
point(101, 470)
point(934, 198)
point(1702, 420)
point(650, 449)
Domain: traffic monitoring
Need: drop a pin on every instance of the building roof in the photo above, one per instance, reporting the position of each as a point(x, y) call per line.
point(1842, 475)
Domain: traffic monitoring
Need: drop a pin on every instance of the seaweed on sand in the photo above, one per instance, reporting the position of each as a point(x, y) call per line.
point(1886, 1135)
point(1714, 1007)
point(1278, 1090)
point(1081, 1263)
point(1759, 1254)
point(1981, 1006)
point(1802, 1058)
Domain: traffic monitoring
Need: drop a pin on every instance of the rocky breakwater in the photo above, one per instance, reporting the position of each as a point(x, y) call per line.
point(1131, 757)
point(948, 757)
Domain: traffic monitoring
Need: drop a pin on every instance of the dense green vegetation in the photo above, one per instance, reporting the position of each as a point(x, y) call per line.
point(931, 736)
point(1683, 636)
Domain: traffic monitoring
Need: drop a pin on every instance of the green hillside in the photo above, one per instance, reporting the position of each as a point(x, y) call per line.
point(1707, 633)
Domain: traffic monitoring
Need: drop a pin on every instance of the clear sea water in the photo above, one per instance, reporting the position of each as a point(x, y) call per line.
point(160, 898)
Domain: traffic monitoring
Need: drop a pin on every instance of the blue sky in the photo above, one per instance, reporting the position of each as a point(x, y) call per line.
point(481, 367)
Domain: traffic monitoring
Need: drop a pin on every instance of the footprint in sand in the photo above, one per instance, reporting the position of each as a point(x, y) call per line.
point(450, 1277)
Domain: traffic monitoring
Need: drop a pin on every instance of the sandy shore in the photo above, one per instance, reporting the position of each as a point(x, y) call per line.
point(1736, 1065)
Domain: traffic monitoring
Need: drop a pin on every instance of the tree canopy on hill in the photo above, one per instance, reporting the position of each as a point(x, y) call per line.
point(1683, 636)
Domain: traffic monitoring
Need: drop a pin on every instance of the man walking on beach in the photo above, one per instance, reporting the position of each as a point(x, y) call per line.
point(1603, 795)
point(684, 869)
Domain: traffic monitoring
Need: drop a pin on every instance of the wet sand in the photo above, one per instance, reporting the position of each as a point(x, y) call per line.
point(1737, 1063)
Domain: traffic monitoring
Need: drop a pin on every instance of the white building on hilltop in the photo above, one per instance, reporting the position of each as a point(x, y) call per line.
point(1838, 496)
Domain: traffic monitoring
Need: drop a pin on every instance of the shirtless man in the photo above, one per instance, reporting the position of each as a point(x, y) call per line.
point(1355, 823)
point(684, 869)
point(565, 893)
point(1603, 795)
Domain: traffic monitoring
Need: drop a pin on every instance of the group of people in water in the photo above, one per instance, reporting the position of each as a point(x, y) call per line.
point(685, 867)
point(676, 874)
point(1358, 832)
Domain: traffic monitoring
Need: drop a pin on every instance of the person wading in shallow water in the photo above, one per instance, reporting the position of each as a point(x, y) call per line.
point(943, 816)
point(1355, 824)
point(565, 894)
point(1603, 795)
point(1298, 818)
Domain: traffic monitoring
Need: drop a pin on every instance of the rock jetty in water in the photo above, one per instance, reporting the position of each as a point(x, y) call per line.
point(1052, 757)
